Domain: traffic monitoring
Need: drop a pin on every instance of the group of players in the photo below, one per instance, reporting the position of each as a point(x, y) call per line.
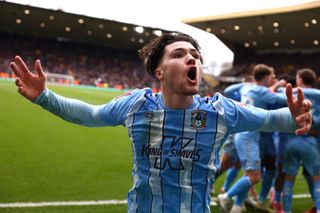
point(272, 158)
point(176, 135)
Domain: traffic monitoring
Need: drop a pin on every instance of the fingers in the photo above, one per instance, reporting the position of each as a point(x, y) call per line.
point(289, 93)
point(305, 117)
point(300, 109)
point(20, 86)
point(300, 96)
point(18, 82)
point(304, 121)
point(306, 105)
point(20, 69)
point(15, 69)
point(303, 130)
point(38, 68)
point(21, 91)
point(21, 66)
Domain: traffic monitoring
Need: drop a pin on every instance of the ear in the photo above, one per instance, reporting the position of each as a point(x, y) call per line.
point(159, 73)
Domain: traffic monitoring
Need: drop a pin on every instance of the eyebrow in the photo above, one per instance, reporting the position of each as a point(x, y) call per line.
point(184, 49)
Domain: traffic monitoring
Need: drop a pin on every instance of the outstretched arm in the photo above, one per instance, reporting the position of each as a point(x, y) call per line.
point(294, 118)
point(33, 87)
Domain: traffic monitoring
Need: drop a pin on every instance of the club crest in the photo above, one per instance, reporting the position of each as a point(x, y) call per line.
point(198, 119)
point(149, 116)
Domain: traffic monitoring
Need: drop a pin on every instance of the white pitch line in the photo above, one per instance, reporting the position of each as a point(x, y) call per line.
point(62, 203)
point(302, 196)
point(92, 203)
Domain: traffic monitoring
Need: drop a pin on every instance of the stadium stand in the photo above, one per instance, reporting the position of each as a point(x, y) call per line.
point(94, 60)
point(91, 65)
point(284, 63)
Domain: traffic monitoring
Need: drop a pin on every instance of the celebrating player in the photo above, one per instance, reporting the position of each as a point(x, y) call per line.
point(176, 134)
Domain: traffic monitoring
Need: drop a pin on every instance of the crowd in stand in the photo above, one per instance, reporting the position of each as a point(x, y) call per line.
point(90, 65)
point(95, 65)
point(283, 63)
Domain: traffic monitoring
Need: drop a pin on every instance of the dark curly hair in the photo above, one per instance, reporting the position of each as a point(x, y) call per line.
point(152, 53)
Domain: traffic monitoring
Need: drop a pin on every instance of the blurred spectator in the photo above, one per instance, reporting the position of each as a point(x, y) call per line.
point(282, 63)
point(102, 66)
point(90, 65)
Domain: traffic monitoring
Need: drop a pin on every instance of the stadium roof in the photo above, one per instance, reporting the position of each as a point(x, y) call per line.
point(249, 23)
point(151, 13)
point(256, 27)
point(57, 24)
point(286, 28)
point(66, 26)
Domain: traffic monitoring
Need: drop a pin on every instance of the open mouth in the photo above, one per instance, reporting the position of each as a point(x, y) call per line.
point(192, 73)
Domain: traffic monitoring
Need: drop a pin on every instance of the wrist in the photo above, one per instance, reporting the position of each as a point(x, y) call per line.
point(41, 97)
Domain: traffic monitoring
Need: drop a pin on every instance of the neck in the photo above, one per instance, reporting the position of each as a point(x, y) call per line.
point(176, 101)
point(260, 83)
point(305, 86)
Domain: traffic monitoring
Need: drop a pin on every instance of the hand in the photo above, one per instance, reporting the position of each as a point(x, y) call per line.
point(300, 110)
point(29, 85)
point(281, 83)
point(278, 84)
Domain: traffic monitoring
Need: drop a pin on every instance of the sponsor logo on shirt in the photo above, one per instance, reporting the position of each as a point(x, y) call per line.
point(173, 156)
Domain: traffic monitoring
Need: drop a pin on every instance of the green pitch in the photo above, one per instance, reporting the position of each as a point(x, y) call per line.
point(43, 158)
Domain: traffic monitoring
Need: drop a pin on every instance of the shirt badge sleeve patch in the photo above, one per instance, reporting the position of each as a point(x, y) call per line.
point(198, 119)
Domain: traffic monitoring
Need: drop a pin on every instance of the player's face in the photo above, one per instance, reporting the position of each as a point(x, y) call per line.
point(270, 80)
point(273, 79)
point(181, 68)
point(298, 81)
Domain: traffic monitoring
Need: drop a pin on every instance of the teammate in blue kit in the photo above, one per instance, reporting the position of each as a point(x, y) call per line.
point(281, 140)
point(176, 135)
point(229, 156)
point(229, 161)
point(304, 148)
point(248, 143)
